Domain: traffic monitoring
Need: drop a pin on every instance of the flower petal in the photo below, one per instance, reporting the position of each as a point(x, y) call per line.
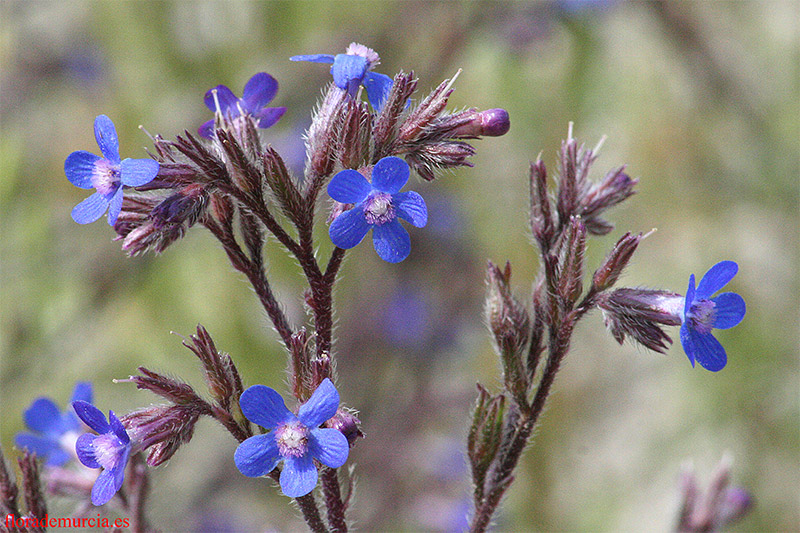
point(411, 207)
point(43, 416)
point(390, 174)
point(348, 71)
point(329, 446)
point(227, 100)
point(92, 416)
point(686, 342)
point(708, 351)
point(83, 392)
point(259, 91)
point(690, 297)
point(349, 187)
point(321, 406)
point(257, 456)
point(114, 207)
point(84, 447)
point(391, 241)
point(43, 447)
point(118, 428)
point(299, 476)
point(206, 131)
point(716, 278)
point(349, 228)
point(79, 168)
point(264, 406)
point(104, 487)
point(136, 172)
point(268, 116)
point(106, 135)
point(90, 209)
point(378, 87)
point(314, 58)
point(730, 309)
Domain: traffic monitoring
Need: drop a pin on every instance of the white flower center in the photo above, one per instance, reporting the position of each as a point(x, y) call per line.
point(292, 439)
point(105, 177)
point(378, 208)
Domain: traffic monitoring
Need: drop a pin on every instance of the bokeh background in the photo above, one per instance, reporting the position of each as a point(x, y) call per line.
point(699, 99)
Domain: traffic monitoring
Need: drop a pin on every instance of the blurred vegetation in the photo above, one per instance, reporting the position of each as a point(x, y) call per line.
point(699, 99)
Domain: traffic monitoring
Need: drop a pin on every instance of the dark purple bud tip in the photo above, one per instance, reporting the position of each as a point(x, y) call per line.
point(347, 423)
point(494, 122)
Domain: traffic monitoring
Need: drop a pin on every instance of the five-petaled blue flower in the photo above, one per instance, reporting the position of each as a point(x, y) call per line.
point(702, 313)
point(352, 69)
point(377, 207)
point(258, 92)
point(54, 433)
point(107, 174)
point(108, 450)
point(295, 440)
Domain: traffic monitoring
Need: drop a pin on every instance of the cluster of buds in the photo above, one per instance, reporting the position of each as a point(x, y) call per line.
point(164, 428)
point(34, 519)
point(720, 506)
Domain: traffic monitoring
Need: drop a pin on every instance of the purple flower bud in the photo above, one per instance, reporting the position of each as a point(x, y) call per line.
point(488, 123)
point(347, 423)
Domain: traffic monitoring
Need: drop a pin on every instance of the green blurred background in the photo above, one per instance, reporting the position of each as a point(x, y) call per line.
point(699, 99)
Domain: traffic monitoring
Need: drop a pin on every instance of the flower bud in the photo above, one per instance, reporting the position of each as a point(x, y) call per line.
point(347, 423)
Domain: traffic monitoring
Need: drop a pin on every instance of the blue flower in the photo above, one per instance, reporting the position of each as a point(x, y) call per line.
point(108, 450)
point(258, 92)
point(701, 314)
point(54, 432)
point(106, 174)
point(352, 69)
point(295, 440)
point(377, 207)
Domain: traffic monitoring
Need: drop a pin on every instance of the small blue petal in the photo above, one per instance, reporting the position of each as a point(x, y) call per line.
point(690, 298)
point(716, 278)
point(264, 406)
point(44, 416)
point(686, 342)
point(90, 209)
point(119, 469)
point(114, 207)
point(118, 428)
point(227, 100)
point(43, 447)
point(349, 228)
point(391, 241)
point(708, 351)
point(299, 476)
point(730, 310)
point(91, 416)
point(411, 207)
point(314, 58)
point(82, 392)
point(321, 406)
point(259, 91)
point(84, 447)
point(207, 129)
point(390, 174)
point(329, 446)
point(79, 168)
point(268, 116)
point(349, 187)
point(104, 487)
point(348, 71)
point(257, 456)
point(136, 172)
point(378, 87)
point(106, 135)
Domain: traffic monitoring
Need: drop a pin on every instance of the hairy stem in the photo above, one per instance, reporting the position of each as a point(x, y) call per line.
point(333, 500)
